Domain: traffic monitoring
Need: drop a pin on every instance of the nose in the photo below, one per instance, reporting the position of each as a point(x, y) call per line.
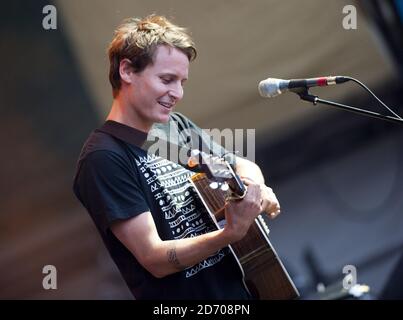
point(176, 92)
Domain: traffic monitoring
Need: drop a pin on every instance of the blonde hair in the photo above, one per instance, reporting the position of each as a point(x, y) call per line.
point(137, 40)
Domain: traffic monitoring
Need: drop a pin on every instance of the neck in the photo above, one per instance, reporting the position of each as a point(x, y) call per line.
point(123, 113)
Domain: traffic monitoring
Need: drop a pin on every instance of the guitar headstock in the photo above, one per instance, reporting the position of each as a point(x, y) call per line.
point(218, 171)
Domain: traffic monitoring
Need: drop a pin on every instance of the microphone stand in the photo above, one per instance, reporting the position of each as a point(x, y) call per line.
point(306, 96)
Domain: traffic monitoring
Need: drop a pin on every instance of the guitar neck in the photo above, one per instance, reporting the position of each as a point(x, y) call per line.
point(264, 273)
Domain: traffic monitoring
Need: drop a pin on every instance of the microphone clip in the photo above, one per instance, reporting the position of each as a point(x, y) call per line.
point(305, 95)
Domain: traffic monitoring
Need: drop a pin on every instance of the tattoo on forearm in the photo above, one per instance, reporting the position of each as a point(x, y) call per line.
point(172, 258)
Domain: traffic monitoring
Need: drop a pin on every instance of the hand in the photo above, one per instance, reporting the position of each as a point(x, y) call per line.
point(240, 214)
point(269, 201)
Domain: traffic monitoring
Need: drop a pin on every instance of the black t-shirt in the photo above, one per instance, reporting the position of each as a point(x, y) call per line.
point(117, 179)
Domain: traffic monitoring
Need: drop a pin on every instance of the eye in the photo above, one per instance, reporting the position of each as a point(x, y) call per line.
point(166, 80)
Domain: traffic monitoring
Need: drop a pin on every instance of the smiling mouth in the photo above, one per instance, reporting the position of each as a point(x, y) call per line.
point(166, 105)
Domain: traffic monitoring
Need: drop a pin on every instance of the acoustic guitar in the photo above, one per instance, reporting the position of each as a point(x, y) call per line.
point(263, 272)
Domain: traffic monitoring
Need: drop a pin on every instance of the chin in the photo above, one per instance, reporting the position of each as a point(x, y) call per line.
point(163, 118)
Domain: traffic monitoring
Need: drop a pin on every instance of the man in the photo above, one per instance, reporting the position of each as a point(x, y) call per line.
point(148, 214)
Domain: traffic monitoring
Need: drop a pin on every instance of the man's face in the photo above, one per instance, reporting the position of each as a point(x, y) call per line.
point(156, 90)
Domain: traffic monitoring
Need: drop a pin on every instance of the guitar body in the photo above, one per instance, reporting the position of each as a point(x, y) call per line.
point(263, 273)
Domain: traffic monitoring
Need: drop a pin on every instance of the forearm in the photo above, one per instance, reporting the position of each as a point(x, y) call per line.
point(175, 255)
point(248, 169)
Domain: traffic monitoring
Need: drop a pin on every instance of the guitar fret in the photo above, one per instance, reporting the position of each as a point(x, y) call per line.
point(218, 198)
point(207, 192)
point(216, 202)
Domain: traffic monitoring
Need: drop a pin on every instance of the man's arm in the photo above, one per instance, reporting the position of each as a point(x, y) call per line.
point(250, 172)
point(247, 169)
point(161, 258)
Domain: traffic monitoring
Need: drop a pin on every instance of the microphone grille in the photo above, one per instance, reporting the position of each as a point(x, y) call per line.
point(269, 87)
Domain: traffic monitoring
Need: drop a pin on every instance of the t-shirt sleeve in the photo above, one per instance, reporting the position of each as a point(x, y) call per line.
point(109, 188)
point(200, 139)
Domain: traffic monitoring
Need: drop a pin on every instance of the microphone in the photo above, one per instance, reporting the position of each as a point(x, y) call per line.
point(272, 87)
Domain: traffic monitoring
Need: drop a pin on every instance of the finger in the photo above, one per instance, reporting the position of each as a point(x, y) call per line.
point(248, 181)
point(274, 214)
point(273, 206)
point(254, 191)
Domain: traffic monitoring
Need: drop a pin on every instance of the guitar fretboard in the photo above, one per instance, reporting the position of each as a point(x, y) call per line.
point(264, 273)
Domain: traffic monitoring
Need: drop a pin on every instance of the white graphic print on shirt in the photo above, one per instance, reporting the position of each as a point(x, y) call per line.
point(179, 202)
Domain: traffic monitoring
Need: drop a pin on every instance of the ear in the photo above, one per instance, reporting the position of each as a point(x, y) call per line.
point(125, 69)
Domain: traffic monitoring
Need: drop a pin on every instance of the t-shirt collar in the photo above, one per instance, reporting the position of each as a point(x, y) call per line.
point(123, 132)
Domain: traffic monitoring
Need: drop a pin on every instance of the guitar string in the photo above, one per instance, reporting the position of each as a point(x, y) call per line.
point(209, 193)
point(203, 188)
point(275, 278)
point(255, 253)
point(207, 196)
point(217, 196)
point(214, 199)
point(261, 250)
point(212, 196)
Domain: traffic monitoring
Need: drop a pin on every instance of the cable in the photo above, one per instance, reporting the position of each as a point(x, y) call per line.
point(379, 100)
